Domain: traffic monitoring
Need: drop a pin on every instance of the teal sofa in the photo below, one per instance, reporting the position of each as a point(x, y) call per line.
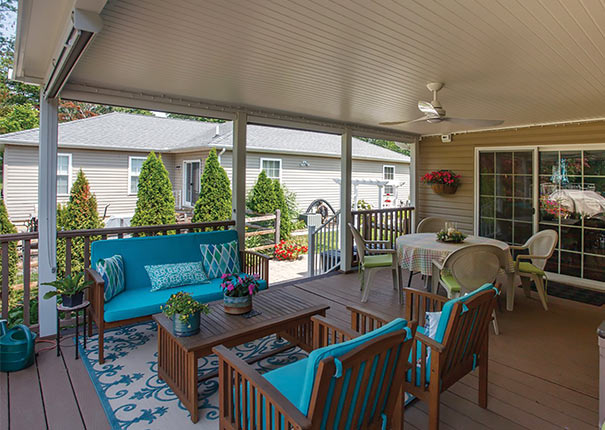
point(137, 302)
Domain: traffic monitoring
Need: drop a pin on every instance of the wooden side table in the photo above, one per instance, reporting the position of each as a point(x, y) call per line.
point(76, 309)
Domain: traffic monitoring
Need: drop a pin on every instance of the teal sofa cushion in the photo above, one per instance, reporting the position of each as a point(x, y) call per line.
point(139, 302)
point(284, 379)
point(220, 259)
point(164, 276)
point(111, 270)
point(139, 252)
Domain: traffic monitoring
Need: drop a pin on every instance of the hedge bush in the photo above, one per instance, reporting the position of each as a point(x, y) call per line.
point(79, 213)
point(155, 201)
point(214, 202)
point(266, 196)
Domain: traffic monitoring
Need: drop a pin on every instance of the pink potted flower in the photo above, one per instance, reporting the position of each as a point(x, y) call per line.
point(238, 289)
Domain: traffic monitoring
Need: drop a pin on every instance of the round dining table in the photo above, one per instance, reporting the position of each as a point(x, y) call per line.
point(416, 252)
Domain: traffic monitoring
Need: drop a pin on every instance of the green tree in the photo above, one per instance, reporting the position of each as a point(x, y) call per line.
point(7, 227)
point(388, 144)
point(155, 201)
point(18, 117)
point(285, 217)
point(266, 196)
point(79, 213)
point(214, 202)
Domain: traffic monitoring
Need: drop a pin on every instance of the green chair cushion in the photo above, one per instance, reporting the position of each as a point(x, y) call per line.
point(526, 267)
point(382, 260)
point(450, 282)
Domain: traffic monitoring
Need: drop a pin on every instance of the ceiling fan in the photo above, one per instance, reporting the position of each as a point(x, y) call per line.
point(434, 113)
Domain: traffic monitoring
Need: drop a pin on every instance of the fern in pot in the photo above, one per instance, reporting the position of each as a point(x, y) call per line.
point(70, 288)
point(185, 312)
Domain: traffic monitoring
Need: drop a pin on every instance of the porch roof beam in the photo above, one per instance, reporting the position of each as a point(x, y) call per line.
point(167, 103)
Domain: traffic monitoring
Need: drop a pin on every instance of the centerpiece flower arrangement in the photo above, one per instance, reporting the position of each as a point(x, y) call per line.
point(289, 250)
point(185, 312)
point(442, 181)
point(238, 289)
point(451, 235)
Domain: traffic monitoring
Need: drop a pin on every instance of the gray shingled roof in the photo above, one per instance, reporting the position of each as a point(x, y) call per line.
point(124, 131)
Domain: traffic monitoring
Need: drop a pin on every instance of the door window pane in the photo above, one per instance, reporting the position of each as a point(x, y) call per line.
point(571, 263)
point(504, 185)
point(524, 210)
point(486, 162)
point(487, 185)
point(486, 227)
point(504, 231)
point(487, 207)
point(504, 208)
point(594, 268)
point(521, 232)
point(523, 163)
point(571, 238)
point(594, 163)
point(504, 162)
point(594, 241)
point(523, 186)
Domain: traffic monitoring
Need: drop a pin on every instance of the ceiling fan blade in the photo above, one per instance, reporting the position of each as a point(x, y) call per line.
point(474, 122)
point(428, 109)
point(422, 118)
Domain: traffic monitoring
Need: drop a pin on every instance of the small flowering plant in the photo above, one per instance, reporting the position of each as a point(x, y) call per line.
point(446, 177)
point(289, 250)
point(239, 284)
point(451, 235)
point(183, 305)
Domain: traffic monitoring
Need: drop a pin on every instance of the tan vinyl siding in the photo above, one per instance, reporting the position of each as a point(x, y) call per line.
point(460, 153)
point(317, 180)
point(107, 173)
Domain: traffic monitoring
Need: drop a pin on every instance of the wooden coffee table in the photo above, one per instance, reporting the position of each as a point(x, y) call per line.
point(281, 313)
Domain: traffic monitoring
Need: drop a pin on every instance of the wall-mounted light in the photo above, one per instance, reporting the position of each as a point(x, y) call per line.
point(304, 163)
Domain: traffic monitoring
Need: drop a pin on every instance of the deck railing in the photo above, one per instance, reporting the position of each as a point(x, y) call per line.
point(27, 245)
point(373, 224)
point(256, 225)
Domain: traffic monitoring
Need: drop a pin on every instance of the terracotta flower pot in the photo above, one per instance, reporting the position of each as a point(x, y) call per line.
point(444, 188)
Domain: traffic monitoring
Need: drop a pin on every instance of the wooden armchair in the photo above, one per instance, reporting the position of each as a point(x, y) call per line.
point(249, 400)
point(460, 345)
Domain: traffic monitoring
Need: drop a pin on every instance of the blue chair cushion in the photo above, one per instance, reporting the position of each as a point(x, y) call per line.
point(284, 379)
point(137, 302)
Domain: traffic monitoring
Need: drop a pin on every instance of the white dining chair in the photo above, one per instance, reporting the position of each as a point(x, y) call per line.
point(429, 224)
point(540, 247)
point(468, 269)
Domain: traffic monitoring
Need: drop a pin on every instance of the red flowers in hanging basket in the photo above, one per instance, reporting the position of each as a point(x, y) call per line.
point(445, 177)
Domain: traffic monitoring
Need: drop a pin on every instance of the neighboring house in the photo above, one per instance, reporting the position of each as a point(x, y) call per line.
point(111, 148)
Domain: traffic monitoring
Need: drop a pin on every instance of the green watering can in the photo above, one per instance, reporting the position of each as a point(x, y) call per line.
point(16, 347)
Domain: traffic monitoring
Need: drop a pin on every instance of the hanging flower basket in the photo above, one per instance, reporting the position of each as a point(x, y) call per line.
point(444, 188)
point(442, 181)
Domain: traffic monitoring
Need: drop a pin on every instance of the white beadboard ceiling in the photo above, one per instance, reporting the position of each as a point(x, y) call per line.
point(522, 61)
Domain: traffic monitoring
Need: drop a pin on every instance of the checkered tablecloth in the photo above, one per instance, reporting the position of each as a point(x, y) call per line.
point(417, 251)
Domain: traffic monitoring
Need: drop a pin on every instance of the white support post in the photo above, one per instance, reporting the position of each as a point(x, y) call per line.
point(239, 175)
point(346, 240)
point(47, 214)
point(414, 182)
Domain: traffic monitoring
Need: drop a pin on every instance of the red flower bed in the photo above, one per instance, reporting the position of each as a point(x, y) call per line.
point(289, 250)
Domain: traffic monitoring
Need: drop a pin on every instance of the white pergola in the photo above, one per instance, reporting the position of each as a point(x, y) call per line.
point(78, 29)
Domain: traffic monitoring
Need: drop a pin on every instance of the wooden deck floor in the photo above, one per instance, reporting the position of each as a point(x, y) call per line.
point(543, 370)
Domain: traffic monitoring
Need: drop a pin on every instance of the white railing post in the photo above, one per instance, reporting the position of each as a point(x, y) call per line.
point(239, 175)
point(601, 335)
point(311, 250)
point(346, 241)
point(47, 213)
point(413, 183)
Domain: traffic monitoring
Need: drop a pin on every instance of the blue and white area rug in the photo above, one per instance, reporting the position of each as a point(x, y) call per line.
point(135, 398)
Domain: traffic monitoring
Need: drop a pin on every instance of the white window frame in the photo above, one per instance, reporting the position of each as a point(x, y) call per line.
point(184, 202)
point(130, 158)
point(272, 159)
point(392, 187)
point(69, 173)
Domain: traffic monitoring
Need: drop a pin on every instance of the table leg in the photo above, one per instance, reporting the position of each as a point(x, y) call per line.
point(77, 324)
point(510, 291)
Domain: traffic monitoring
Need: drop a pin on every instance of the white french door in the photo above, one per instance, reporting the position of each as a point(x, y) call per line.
point(191, 182)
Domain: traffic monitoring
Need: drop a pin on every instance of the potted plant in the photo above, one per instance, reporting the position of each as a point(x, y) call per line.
point(442, 181)
point(71, 289)
point(238, 290)
point(185, 312)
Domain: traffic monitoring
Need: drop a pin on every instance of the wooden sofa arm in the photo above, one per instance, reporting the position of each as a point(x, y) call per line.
point(255, 263)
point(96, 294)
point(235, 371)
point(328, 332)
point(418, 303)
point(364, 320)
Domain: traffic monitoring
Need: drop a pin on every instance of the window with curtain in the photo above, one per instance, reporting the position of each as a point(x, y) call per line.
point(272, 167)
point(134, 170)
point(63, 174)
point(388, 174)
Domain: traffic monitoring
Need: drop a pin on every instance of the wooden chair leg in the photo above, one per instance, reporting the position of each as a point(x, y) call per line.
point(483, 359)
point(410, 279)
point(101, 335)
point(539, 281)
point(495, 323)
point(398, 420)
point(89, 322)
point(434, 399)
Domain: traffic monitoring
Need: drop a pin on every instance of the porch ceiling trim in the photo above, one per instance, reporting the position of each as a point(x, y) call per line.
point(192, 106)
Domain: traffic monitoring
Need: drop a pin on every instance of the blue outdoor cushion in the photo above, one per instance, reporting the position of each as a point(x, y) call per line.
point(111, 270)
point(284, 379)
point(137, 302)
point(164, 276)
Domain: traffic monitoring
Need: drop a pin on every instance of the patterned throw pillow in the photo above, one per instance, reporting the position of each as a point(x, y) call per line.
point(112, 271)
point(163, 276)
point(220, 258)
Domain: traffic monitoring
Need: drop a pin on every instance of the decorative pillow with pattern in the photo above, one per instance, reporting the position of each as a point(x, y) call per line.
point(112, 271)
point(163, 276)
point(220, 258)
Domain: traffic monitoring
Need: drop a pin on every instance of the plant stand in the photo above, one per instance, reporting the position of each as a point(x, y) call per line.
point(76, 310)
